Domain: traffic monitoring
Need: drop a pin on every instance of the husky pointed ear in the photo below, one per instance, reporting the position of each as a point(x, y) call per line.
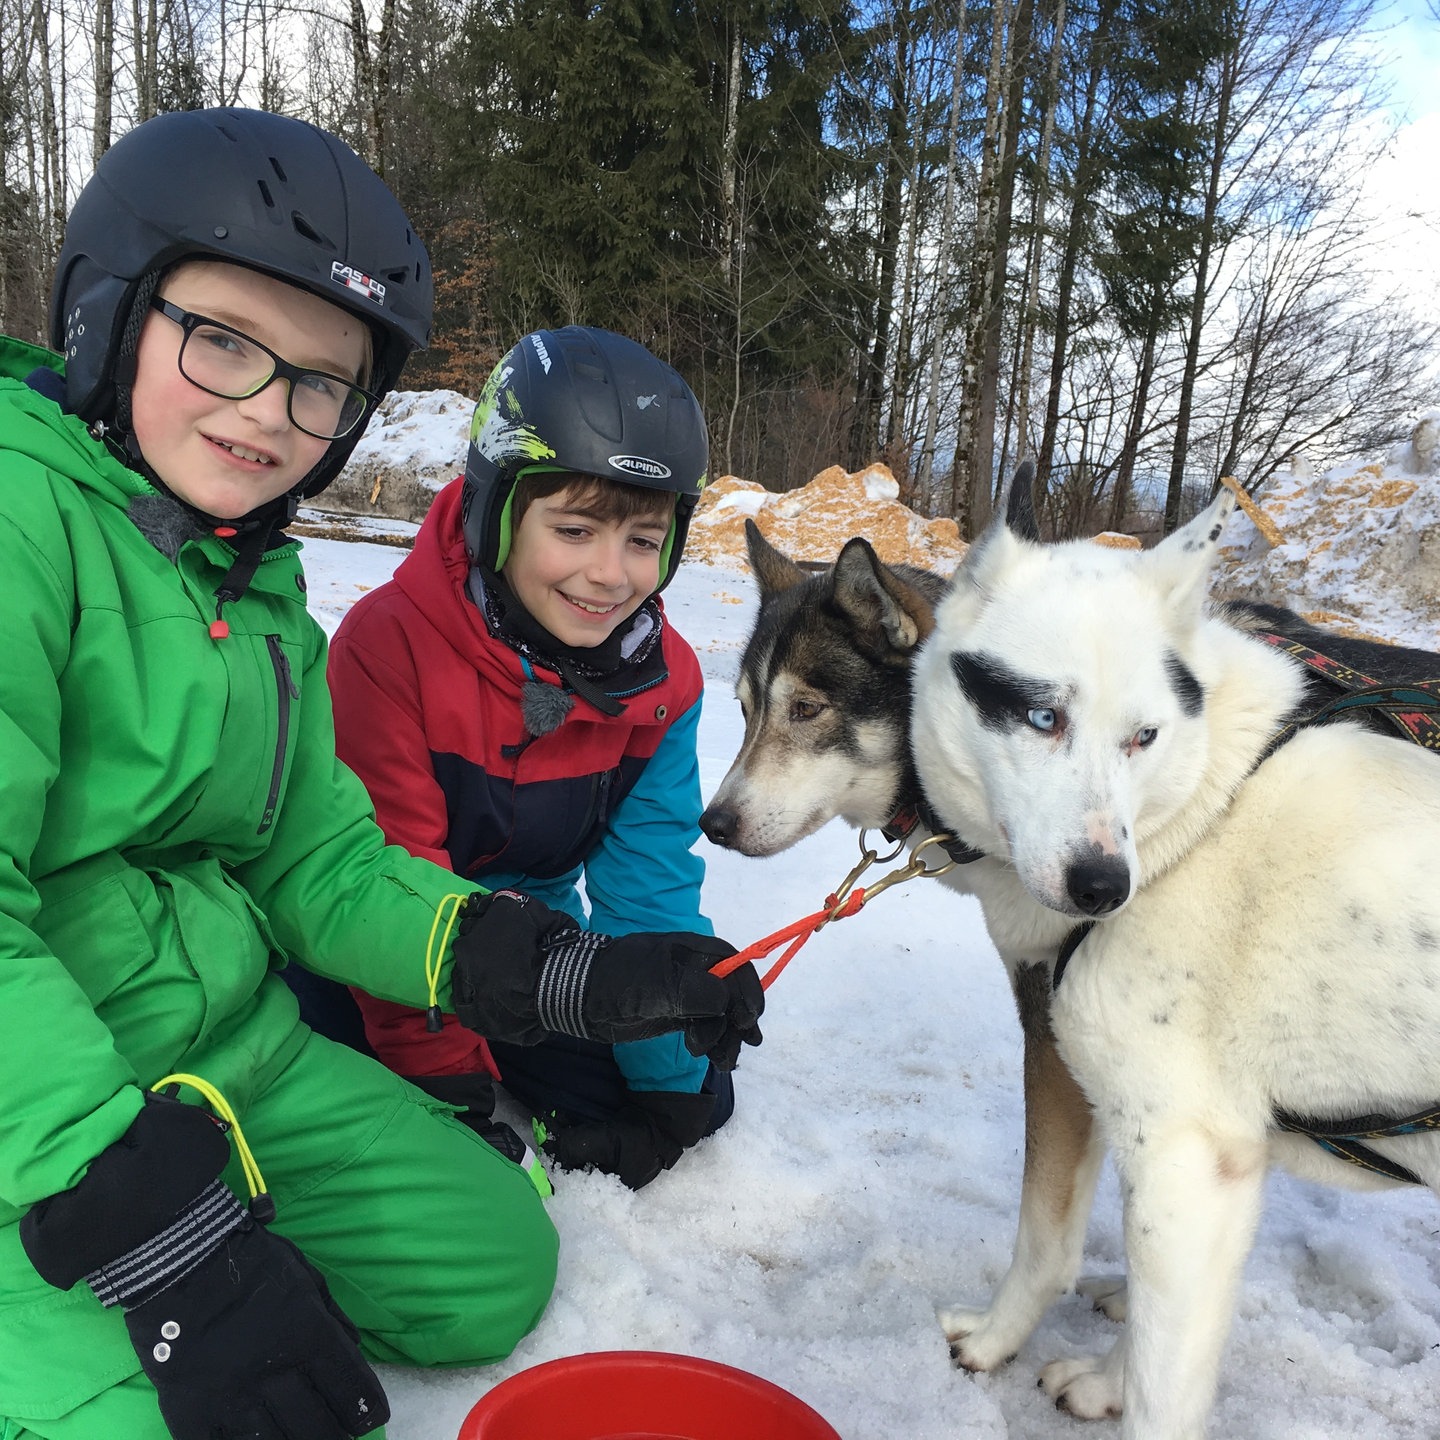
point(1180, 564)
point(1012, 526)
point(890, 617)
point(773, 571)
point(1020, 503)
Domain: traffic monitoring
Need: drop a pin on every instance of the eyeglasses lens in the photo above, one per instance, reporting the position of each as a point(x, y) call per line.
point(226, 363)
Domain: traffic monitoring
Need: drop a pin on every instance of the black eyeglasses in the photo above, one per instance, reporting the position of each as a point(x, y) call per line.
point(229, 363)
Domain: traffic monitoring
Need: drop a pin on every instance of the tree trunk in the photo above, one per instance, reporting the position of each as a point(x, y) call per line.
point(1081, 206)
point(865, 440)
point(1124, 480)
point(728, 158)
point(1175, 488)
point(982, 492)
point(104, 76)
point(944, 282)
point(1030, 300)
point(964, 485)
point(363, 61)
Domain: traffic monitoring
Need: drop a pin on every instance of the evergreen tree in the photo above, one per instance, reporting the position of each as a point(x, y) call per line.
point(665, 171)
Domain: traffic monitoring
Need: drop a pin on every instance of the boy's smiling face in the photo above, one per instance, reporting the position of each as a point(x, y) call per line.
point(579, 574)
point(226, 457)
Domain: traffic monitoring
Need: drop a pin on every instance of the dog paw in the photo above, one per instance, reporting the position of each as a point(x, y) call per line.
point(976, 1344)
point(1083, 1387)
point(1106, 1292)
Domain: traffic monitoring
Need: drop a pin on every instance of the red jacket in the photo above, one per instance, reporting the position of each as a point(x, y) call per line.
point(427, 712)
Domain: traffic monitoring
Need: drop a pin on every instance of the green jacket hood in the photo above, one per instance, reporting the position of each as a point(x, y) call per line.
point(35, 426)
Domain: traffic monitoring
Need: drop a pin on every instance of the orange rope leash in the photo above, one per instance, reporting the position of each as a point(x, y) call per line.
point(797, 932)
point(844, 902)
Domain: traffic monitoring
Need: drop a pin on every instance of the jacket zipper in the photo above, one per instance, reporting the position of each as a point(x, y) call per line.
point(602, 799)
point(285, 687)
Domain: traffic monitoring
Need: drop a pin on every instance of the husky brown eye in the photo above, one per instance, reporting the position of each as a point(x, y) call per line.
point(805, 709)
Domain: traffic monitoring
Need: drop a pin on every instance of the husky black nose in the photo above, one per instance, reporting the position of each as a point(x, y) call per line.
point(720, 822)
point(1098, 884)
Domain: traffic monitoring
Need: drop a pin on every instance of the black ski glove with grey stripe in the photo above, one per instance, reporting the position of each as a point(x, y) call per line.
point(235, 1329)
point(523, 971)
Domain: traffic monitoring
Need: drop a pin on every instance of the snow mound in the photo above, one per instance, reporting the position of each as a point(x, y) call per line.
point(1360, 543)
point(414, 447)
point(813, 522)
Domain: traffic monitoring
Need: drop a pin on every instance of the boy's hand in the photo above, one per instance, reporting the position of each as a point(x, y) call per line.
point(523, 970)
point(234, 1327)
point(646, 1135)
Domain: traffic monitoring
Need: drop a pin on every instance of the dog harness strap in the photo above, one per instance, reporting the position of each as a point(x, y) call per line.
point(1362, 1155)
point(1342, 676)
point(1412, 709)
point(1068, 947)
point(1343, 1137)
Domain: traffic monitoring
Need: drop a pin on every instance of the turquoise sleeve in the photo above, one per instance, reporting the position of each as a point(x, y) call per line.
point(644, 875)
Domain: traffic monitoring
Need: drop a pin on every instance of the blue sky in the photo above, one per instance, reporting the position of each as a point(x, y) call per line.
point(1415, 43)
point(1404, 189)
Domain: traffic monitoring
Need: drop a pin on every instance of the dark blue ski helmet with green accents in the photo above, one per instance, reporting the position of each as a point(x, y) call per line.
point(588, 402)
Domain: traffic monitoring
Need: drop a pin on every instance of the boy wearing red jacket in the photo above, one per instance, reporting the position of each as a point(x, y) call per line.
point(521, 710)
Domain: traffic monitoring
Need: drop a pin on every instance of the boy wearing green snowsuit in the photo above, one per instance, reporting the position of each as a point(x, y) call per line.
point(175, 826)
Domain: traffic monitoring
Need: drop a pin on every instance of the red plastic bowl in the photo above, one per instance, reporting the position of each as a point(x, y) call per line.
point(640, 1395)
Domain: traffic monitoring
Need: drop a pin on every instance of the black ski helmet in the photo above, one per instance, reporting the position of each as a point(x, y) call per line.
point(266, 191)
point(587, 401)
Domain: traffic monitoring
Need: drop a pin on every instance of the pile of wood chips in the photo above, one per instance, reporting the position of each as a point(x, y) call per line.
point(812, 523)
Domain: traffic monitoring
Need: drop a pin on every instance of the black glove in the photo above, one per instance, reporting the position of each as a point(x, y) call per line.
point(646, 1135)
point(235, 1329)
point(523, 971)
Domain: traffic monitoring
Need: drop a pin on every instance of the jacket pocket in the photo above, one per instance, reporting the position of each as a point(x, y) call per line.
point(219, 935)
point(98, 918)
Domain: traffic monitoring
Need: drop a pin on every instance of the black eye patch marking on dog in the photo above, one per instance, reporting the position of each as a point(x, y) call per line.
point(1001, 697)
point(1187, 688)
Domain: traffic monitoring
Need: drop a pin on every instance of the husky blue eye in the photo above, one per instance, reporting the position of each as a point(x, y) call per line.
point(1041, 719)
point(1144, 736)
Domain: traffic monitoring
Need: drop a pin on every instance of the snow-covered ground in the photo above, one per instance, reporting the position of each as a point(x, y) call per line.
point(872, 1170)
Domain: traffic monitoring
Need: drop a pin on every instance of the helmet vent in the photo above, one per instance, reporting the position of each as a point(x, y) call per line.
point(279, 170)
point(265, 194)
point(305, 228)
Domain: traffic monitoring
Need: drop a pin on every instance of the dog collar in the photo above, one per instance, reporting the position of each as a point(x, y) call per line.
point(903, 823)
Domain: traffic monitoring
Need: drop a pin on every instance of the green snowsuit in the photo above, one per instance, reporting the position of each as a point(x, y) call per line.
point(173, 825)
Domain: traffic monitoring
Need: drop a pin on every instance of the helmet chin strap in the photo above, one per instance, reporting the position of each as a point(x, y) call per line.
point(251, 534)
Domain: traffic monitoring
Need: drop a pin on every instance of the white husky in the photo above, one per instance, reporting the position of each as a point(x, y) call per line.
point(1266, 935)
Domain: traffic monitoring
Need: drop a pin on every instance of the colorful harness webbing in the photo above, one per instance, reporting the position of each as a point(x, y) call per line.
point(1414, 711)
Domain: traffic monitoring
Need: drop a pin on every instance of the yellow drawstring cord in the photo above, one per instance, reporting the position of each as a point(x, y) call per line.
point(261, 1205)
point(435, 957)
